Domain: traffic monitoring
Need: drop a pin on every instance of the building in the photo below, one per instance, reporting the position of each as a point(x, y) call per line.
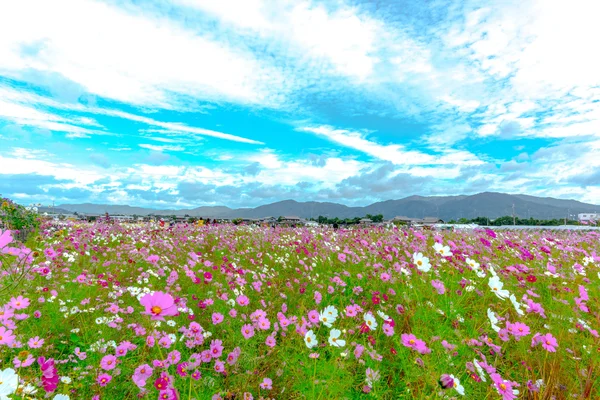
point(431, 221)
point(588, 217)
point(291, 220)
point(365, 222)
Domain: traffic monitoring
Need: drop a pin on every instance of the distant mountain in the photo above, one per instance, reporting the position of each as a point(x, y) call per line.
point(487, 204)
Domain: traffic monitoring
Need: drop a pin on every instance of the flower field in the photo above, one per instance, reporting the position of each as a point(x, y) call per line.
point(102, 311)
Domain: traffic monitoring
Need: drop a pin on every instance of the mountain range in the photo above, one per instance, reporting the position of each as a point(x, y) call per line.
point(487, 204)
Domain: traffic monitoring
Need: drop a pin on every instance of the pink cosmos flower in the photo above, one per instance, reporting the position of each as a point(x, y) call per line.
point(158, 305)
point(242, 300)
point(141, 374)
point(217, 318)
point(358, 351)
point(313, 316)
point(19, 303)
point(50, 253)
point(108, 362)
point(5, 238)
point(35, 343)
point(505, 388)
point(520, 330)
point(6, 312)
point(247, 331)
point(263, 323)
point(342, 257)
point(411, 341)
point(216, 348)
point(318, 297)
point(351, 311)
point(174, 357)
point(103, 379)
point(270, 341)
point(6, 336)
point(267, 383)
point(549, 342)
point(439, 286)
point(80, 354)
point(388, 329)
point(220, 366)
point(18, 363)
point(49, 374)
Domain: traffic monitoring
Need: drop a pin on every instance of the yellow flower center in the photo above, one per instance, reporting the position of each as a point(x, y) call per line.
point(156, 310)
point(411, 341)
point(502, 386)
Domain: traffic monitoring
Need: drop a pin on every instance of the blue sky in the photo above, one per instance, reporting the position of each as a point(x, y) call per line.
point(240, 103)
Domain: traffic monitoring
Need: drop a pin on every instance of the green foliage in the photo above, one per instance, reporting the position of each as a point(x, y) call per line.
point(16, 217)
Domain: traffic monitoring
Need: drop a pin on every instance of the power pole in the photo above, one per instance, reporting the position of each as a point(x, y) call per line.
point(513, 215)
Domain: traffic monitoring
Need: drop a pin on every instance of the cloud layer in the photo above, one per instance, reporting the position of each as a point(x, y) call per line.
point(241, 103)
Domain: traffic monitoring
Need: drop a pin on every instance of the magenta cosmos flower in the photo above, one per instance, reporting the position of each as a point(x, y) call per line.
point(158, 305)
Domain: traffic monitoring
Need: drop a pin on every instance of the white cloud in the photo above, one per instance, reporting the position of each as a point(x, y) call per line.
point(394, 153)
point(137, 59)
point(344, 37)
point(20, 106)
point(161, 148)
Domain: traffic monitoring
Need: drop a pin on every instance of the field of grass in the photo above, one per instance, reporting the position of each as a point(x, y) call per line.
point(96, 311)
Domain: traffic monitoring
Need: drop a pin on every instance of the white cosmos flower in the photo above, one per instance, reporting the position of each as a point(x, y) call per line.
point(496, 285)
point(479, 370)
point(9, 381)
point(310, 339)
point(457, 386)
point(61, 397)
point(334, 340)
point(421, 262)
point(383, 315)
point(517, 305)
point(472, 263)
point(29, 389)
point(328, 316)
point(370, 321)
point(442, 250)
point(493, 320)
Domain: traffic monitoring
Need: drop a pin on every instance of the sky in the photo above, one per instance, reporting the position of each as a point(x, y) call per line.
point(240, 103)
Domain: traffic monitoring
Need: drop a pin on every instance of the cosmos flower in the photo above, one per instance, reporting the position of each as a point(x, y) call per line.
point(370, 321)
point(310, 339)
point(496, 285)
point(421, 262)
point(442, 250)
point(450, 381)
point(9, 381)
point(438, 286)
point(328, 316)
point(334, 340)
point(159, 305)
point(247, 331)
point(267, 384)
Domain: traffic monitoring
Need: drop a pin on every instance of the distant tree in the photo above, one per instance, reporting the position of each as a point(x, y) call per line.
point(377, 218)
